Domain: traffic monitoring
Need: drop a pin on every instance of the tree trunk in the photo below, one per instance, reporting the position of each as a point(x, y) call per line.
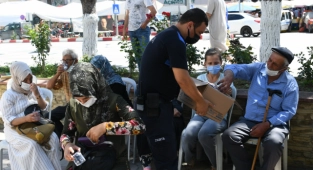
point(90, 28)
point(270, 27)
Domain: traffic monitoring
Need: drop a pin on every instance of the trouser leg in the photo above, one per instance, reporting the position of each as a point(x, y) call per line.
point(233, 139)
point(207, 135)
point(190, 137)
point(161, 137)
point(273, 146)
point(57, 115)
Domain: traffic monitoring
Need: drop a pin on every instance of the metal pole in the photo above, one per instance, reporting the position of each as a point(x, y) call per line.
point(116, 24)
point(239, 6)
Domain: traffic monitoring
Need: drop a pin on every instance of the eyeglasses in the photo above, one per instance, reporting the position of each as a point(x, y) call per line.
point(66, 60)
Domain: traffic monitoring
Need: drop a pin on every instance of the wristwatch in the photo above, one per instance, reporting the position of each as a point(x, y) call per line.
point(270, 123)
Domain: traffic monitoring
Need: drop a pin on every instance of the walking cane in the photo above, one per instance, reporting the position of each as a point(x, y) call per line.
point(270, 94)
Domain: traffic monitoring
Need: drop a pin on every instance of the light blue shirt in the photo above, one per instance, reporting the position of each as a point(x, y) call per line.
point(281, 109)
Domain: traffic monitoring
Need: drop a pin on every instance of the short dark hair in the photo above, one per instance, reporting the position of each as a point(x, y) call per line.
point(195, 15)
point(213, 51)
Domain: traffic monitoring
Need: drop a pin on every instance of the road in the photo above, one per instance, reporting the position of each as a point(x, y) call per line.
point(9, 52)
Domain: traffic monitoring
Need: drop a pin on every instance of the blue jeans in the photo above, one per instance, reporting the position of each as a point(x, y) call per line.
point(204, 130)
point(139, 39)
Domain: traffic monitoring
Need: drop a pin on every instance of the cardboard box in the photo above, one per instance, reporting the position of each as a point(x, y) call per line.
point(221, 101)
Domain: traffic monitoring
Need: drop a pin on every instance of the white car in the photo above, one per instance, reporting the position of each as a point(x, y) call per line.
point(243, 24)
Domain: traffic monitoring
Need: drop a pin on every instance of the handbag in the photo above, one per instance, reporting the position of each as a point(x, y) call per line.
point(39, 131)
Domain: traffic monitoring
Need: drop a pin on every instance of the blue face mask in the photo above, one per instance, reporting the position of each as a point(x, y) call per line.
point(214, 69)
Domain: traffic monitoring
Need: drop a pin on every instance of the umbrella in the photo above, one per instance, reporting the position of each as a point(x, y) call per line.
point(243, 8)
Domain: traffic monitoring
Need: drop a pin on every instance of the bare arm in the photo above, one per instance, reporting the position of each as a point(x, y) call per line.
point(32, 117)
point(152, 14)
point(125, 23)
point(188, 86)
point(208, 15)
point(51, 82)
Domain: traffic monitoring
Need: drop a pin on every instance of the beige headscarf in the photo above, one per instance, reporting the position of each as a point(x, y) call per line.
point(19, 71)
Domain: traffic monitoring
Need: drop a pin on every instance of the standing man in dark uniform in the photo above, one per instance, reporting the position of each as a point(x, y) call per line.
point(163, 73)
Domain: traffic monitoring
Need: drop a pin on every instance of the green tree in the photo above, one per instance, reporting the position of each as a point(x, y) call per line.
point(40, 38)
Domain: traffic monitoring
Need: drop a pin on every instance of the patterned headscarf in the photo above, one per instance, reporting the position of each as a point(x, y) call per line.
point(19, 71)
point(86, 80)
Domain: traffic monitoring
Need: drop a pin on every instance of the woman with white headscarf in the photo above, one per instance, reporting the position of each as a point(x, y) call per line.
point(25, 153)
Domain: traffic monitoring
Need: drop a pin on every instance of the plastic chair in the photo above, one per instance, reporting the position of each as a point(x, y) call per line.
point(254, 141)
point(130, 83)
point(47, 94)
point(218, 140)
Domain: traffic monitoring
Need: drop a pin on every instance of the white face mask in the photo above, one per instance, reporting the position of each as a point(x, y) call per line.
point(89, 103)
point(25, 86)
point(271, 72)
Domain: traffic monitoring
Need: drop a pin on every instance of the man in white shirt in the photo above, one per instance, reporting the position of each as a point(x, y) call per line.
point(136, 22)
point(216, 13)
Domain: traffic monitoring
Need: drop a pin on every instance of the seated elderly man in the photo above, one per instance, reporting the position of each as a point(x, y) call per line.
point(283, 106)
point(59, 80)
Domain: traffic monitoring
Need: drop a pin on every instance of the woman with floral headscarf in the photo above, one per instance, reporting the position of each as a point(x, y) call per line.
point(95, 111)
point(25, 153)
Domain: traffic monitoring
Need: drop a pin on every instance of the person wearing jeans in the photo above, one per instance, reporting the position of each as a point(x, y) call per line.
point(139, 40)
point(201, 128)
point(136, 21)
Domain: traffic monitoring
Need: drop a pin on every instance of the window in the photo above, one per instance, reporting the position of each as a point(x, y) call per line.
point(234, 17)
point(6, 28)
point(283, 16)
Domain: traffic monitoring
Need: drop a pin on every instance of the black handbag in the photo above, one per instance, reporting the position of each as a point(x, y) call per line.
point(33, 108)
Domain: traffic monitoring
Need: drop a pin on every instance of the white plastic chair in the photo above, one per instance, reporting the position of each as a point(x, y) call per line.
point(218, 140)
point(46, 94)
point(130, 83)
point(254, 141)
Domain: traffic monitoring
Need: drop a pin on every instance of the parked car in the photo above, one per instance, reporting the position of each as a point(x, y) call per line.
point(308, 20)
point(286, 20)
point(18, 27)
point(244, 24)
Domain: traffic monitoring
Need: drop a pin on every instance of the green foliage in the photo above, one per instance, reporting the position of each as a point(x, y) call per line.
point(306, 70)
point(5, 70)
point(50, 70)
point(239, 54)
point(86, 59)
point(14, 35)
point(40, 38)
point(194, 56)
point(123, 72)
point(161, 24)
point(127, 47)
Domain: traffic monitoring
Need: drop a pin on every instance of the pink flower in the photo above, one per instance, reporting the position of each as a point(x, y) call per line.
point(71, 125)
point(122, 131)
point(130, 109)
point(133, 122)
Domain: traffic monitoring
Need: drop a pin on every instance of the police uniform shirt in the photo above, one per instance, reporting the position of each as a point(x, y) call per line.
point(165, 51)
